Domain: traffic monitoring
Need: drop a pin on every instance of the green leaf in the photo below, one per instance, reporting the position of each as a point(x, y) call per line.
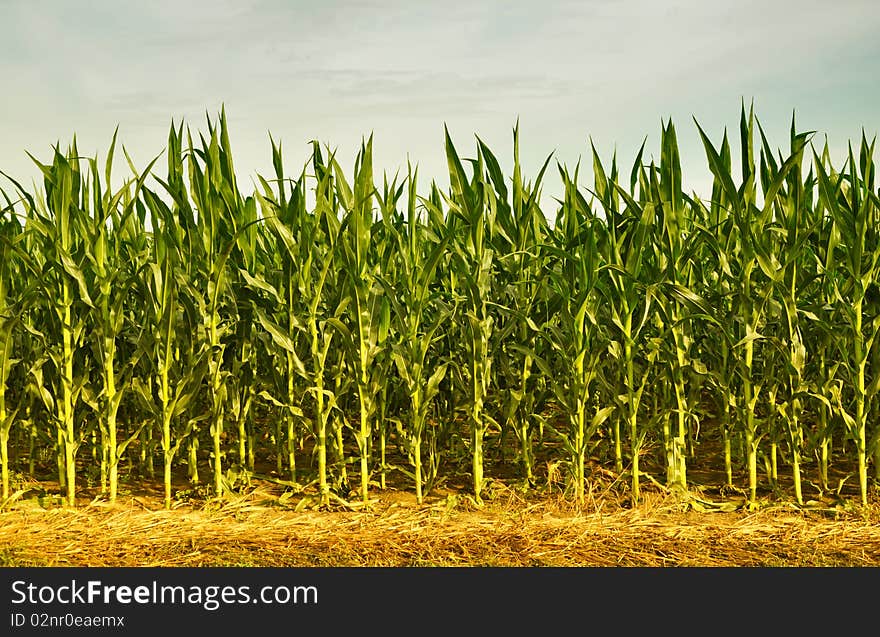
point(76, 274)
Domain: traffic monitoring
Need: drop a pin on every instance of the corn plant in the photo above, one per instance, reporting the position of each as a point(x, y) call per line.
point(574, 338)
point(369, 307)
point(308, 243)
point(628, 295)
point(223, 214)
point(178, 359)
point(795, 224)
point(678, 247)
point(59, 221)
point(10, 309)
point(411, 298)
point(475, 261)
point(138, 319)
point(854, 209)
point(521, 229)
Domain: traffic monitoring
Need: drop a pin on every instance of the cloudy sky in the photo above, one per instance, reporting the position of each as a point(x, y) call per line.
point(571, 71)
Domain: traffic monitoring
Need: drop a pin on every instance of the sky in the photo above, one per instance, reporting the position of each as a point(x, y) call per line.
point(606, 72)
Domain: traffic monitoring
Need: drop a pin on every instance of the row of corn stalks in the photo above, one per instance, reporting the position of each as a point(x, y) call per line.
point(341, 328)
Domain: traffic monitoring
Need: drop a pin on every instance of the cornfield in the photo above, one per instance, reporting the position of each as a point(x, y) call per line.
point(338, 330)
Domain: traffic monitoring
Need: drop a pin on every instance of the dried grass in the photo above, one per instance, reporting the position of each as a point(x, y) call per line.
point(253, 530)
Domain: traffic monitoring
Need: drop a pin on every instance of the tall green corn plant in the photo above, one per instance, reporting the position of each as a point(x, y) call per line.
point(823, 329)
point(417, 315)
point(612, 218)
point(328, 302)
point(793, 226)
point(250, 273)
point(628, 295)
point(716, 285)
point(753, 271)
point(520, 229)
point(453, 392)
point(283, 391)
point(10, 310)
point(387, 246)
point(112, 270)
point(368, 304)
point(854, 208)
point(222, 216)
point(59, 222)
point(21, 308)
point(169, 340)
point(288, 294)
point(678, 246)
point(474, 267)
point(308, 244)
point(574, 339)
point(171, 317)
point(867, 169)
point(741, 258)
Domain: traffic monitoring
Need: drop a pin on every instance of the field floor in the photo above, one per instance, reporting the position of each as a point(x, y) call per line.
point(268, 525)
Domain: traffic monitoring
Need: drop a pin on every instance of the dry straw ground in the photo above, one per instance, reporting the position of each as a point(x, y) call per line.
point(257, 528)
